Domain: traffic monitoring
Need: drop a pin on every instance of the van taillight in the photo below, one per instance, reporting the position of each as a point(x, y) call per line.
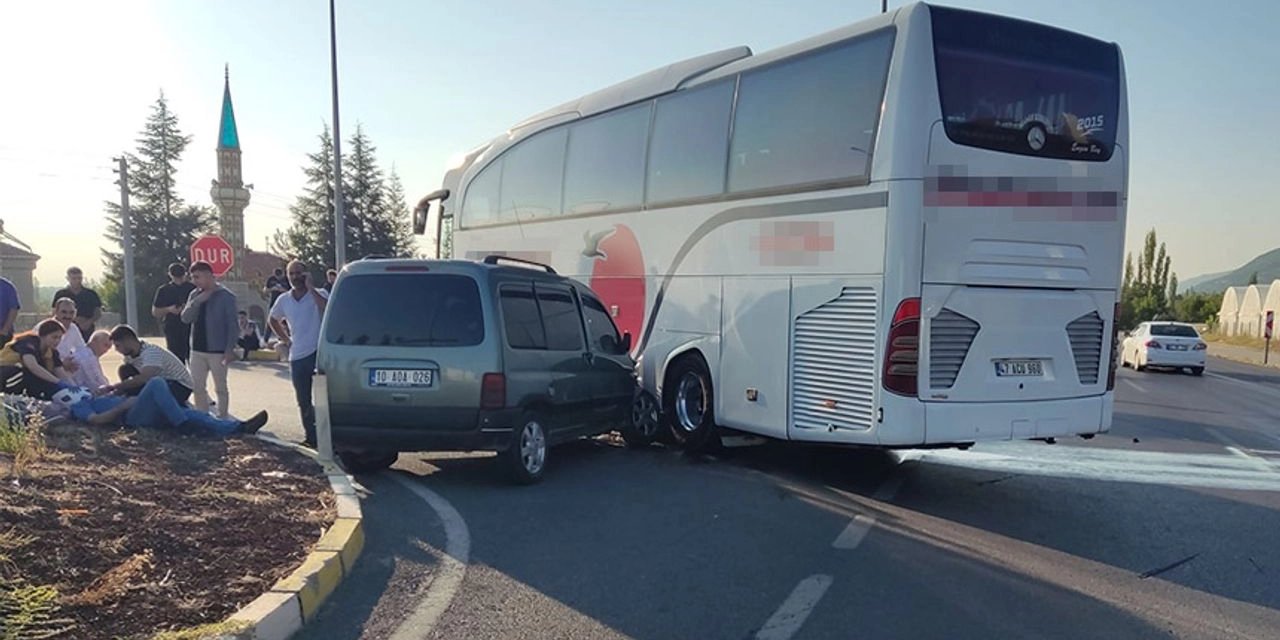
point(1115, 350)
point(493, 391)
point(902, 353)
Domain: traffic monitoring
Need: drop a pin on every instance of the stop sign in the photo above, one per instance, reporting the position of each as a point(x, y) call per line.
point(215, 251)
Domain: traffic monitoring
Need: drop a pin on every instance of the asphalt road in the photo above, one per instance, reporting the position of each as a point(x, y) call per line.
point(1169, 526)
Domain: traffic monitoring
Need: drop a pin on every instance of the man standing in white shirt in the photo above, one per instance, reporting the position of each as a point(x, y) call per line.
point(295, 318)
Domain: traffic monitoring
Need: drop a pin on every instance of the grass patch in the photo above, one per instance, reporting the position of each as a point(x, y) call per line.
point(24, 443)
point(30, 612)
point(220, 631)
point(1252, 342)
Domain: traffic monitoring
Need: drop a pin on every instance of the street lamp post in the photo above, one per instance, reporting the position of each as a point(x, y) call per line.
point(339, 204)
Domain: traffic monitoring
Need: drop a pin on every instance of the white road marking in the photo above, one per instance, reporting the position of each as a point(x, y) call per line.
point(448, 576)
point(853, 534)
point(789, 617)
point(1252, 386)
point(1141, 389)
point(1221, 471)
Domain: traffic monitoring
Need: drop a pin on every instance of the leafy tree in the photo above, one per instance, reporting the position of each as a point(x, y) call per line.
point(446, 240)
point(1148, 290)
point(163, 225)
point(1197, 307)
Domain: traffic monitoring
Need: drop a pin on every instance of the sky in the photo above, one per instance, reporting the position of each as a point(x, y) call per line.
point(430, 79)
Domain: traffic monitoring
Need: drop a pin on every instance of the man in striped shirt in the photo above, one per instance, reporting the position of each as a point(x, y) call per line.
point(144, 361)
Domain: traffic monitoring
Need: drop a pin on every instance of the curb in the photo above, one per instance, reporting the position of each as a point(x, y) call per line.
point(294, 601)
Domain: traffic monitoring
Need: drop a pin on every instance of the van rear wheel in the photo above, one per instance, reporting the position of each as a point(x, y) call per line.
point(689, 401)
point(525, 459)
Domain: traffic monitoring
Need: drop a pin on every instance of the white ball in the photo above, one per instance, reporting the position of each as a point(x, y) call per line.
point(69, 397)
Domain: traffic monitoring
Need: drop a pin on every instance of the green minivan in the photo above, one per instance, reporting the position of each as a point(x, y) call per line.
point(449, 355)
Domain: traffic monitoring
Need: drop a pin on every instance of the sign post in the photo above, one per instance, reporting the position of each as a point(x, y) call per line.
point(216, 251)
point(1266, 350)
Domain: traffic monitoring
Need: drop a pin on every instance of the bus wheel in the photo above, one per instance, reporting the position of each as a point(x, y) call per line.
point(690, 405)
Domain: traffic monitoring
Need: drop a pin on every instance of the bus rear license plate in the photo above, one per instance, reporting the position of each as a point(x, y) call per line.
point(1019, 368)
point(406, 378)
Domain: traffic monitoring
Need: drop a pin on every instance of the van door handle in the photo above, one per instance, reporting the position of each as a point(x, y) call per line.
point(589, 357)
point(400, 397)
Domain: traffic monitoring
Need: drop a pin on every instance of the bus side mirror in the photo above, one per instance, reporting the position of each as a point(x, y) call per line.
point(420, 218)
point(626, 342)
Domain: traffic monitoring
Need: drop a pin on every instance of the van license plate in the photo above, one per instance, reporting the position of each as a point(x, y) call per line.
point(401, 377)
point(1015, 368)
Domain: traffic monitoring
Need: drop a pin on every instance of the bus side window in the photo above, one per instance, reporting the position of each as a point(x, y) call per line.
point(689, 143)
point(811, 119)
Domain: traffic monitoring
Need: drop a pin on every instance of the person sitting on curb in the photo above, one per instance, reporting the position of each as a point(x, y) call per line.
point(144, 361)
point(249, 339)
point(153, 408)
point(30, 364)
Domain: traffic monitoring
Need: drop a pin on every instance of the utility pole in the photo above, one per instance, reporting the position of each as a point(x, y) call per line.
point(126, 238)
point(339, 206)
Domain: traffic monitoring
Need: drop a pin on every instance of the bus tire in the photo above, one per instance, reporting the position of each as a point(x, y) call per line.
point(689, 404)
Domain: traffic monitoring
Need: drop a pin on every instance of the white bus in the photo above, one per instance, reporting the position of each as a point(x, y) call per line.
point(905, 232)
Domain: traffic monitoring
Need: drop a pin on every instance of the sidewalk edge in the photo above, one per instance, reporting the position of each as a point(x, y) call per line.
point(294, 601)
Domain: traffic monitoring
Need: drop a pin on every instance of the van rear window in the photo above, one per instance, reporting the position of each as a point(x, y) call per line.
point(406, 310)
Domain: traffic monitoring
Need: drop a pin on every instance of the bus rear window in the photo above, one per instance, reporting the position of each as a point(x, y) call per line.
point(1025, 88)
point(406, 310)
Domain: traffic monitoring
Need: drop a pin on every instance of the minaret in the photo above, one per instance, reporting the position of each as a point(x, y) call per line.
point(228, 190)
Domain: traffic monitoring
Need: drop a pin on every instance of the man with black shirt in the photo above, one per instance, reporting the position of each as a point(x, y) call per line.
point(167, 308)
point(88, 304)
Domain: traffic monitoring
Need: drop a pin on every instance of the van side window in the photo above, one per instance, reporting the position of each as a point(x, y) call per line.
point(520, 316)
point(600, 328)
point(560, 318)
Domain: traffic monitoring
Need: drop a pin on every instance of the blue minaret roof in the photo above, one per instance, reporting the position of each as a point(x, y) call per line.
point(227, 136)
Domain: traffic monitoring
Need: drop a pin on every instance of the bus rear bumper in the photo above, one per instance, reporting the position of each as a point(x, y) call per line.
point(974, 422)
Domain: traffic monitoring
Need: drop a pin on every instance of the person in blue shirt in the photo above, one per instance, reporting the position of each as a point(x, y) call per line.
point(155, 408)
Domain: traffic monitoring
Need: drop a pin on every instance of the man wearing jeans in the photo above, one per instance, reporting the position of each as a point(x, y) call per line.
point(155, 408)
point(295, 318)
point(211, 312)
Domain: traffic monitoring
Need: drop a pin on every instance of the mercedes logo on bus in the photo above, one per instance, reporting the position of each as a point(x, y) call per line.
point(1036, 136)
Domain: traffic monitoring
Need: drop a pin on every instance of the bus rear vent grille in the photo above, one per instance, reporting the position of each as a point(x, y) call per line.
point(834, 363)
point(950, 336)
point(1086, 346)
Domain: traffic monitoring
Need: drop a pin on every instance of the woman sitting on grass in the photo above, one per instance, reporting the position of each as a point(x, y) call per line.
point(30, 364)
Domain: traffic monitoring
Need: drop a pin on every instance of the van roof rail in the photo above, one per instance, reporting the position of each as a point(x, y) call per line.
point(495, 259)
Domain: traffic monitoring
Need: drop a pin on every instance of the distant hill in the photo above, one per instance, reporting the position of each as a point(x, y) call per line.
point(1267, 266)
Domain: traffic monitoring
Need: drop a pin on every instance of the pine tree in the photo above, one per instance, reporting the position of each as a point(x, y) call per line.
point(377, 220)
point(310, 237)
point(398, 222)
point(163, 225)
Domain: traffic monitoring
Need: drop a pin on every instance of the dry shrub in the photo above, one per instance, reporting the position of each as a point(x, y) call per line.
point(112, 583)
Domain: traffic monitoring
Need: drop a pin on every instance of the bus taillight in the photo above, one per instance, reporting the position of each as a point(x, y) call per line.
point(902, 353)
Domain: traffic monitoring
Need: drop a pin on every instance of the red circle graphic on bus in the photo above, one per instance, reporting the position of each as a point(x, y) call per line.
point(617, 276)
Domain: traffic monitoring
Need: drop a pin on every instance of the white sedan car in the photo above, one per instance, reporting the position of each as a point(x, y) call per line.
point(1173, 345)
